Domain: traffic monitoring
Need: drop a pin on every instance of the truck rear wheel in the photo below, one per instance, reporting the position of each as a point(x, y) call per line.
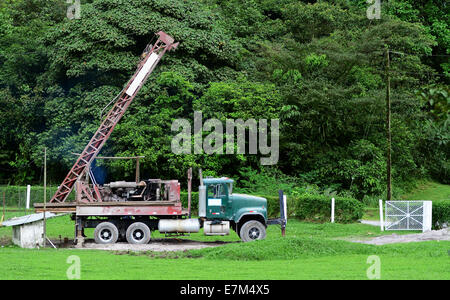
point(106, 233)
point(252, 231)
point(138, 233)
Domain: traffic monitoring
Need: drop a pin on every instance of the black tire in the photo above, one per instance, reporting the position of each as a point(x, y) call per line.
point(106, 233)
point(138, 233)
point(252, 231)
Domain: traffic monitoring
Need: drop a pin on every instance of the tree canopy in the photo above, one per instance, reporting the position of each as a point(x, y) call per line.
point(317, 66)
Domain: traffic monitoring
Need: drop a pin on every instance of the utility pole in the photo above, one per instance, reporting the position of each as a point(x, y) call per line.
point(388, 126)
point(45, 192)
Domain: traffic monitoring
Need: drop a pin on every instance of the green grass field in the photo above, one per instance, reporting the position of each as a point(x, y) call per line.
point(429, 190)
point(309, 251)
point(51, 264)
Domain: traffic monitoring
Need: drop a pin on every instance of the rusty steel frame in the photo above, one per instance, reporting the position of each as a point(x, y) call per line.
point(163, 209)
point(163, 44)
point(98, 209)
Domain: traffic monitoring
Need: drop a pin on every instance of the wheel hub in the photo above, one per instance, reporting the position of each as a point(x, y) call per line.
point(106, 235)
point(253, 233)
point(138, 234)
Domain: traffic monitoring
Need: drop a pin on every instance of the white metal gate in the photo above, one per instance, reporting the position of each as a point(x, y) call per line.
point(408, 215)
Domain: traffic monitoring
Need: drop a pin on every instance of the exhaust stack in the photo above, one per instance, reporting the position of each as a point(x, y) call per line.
point(201, 197)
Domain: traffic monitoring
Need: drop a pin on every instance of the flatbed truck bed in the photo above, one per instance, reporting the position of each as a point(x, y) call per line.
point(128, 208)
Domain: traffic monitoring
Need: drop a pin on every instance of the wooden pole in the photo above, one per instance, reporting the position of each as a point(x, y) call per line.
point(137, 170)
point(189, 191)
point(45, 192)
point(388, 126)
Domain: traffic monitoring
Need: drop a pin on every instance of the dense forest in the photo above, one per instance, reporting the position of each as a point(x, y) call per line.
point(317, 66)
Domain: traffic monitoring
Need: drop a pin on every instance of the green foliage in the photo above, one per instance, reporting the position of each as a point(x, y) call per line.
point(314, 61)
point(435, 135)
point(307, 21)
point(436, 100)
point(318, 208)
point(266, 182)
point(317, 67)
point(194, 201)
point(366, 79)
point(441, 213)
point(240, 99)
point(16, 196)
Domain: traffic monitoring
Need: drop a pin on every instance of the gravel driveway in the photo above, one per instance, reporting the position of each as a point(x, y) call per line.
point(159, 245)
point(433, 235)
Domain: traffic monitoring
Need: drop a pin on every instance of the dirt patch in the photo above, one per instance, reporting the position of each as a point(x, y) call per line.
point(156, 245)
point(433, 235)
point(370, 222)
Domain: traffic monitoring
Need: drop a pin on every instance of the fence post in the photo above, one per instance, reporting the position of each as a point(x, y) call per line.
point(332, 210)
point(427, 216)
point(381, 215)
point(283, 217)
point(28, 196)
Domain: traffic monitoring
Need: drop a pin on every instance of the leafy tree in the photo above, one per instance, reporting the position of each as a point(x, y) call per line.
point(318, 66)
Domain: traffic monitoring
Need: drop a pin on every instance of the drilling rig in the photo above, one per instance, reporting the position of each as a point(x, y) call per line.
point(129, 211)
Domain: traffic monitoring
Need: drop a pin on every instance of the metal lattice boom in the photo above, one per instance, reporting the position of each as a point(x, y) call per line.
point(145, 68)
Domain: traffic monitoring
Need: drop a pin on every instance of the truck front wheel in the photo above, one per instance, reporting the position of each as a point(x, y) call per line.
point(252, 231)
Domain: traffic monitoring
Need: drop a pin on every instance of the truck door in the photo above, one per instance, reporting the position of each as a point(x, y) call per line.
point(217, 195)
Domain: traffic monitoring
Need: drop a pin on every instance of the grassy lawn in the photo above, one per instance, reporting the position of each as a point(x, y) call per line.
point(309, 251)
point(427, 190)
point(49, 264)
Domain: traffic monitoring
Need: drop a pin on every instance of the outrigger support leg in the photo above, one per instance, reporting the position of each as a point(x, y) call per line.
point(79, 236)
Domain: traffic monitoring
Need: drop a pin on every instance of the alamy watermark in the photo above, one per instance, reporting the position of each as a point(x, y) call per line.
point(74, 270)
point(214, 141)
point(374, 271)
point(74, 11)
point(374, 10)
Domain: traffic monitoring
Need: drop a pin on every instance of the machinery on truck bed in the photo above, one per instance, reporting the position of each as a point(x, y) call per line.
point(131, 210)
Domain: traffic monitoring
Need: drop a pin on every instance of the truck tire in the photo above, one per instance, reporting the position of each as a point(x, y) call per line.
point(252, 231)
point(138, 233)
point(106, 233)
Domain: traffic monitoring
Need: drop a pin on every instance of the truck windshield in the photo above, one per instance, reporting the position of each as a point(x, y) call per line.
point(216, 190)
point(219, 190)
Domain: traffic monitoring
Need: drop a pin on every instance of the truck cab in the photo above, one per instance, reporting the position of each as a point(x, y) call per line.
point(221, 208)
